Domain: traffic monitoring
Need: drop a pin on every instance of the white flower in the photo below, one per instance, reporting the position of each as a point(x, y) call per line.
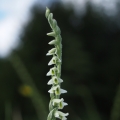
point(54, 60)
point(59, 102)
point(57, 90)
point(54, 80)
point(52, 71)
point(52, 51)
point(61, 115)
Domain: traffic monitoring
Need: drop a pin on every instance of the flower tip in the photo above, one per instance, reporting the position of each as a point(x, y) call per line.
point(50, 91)
point(50, 82)
point(63, 91)
point(47, 8)
point(67, 114)
point(48, 74)
point(47, 12)
point(61, 80)
point(47, 54)
point(53, 42)
point(50, 63)
point(51, 34)
point(65, 104)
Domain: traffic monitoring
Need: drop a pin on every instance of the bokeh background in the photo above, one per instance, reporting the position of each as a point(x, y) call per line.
point(91, 58)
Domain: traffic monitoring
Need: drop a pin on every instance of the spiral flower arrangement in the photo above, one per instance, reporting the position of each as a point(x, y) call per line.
point(56, 102)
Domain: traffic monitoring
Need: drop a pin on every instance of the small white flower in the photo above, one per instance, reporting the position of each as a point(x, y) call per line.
point(61, 115)
point(57, 90)
point(59, 102)
point(52, 71)
point(52, 51)
point(54, 80)
point(54, 60)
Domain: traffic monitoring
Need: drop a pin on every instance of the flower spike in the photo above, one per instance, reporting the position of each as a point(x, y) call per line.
point(55, 72)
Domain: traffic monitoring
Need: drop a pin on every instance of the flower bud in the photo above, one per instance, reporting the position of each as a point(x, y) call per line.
point(51, 34)
point(47, 12)
point(54, 23)
point(53, 42)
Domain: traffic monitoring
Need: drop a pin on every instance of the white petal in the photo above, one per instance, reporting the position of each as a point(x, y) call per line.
point(65, 104)
point(50, 82)
point(51, 91)
point(51, 34)
point(62, 99)
point(66, 114)
point(60, 80)
point(49, 73)
point(52, 42)
point(63, 91)
point(51, 62)
point(52, 51)
point(49, 54)
point(59, 113)
point(63, 114)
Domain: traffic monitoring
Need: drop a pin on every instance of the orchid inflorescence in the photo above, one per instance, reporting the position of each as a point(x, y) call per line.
point(55, 72)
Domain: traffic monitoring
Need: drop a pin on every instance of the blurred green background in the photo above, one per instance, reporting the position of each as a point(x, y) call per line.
point(90, 68)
